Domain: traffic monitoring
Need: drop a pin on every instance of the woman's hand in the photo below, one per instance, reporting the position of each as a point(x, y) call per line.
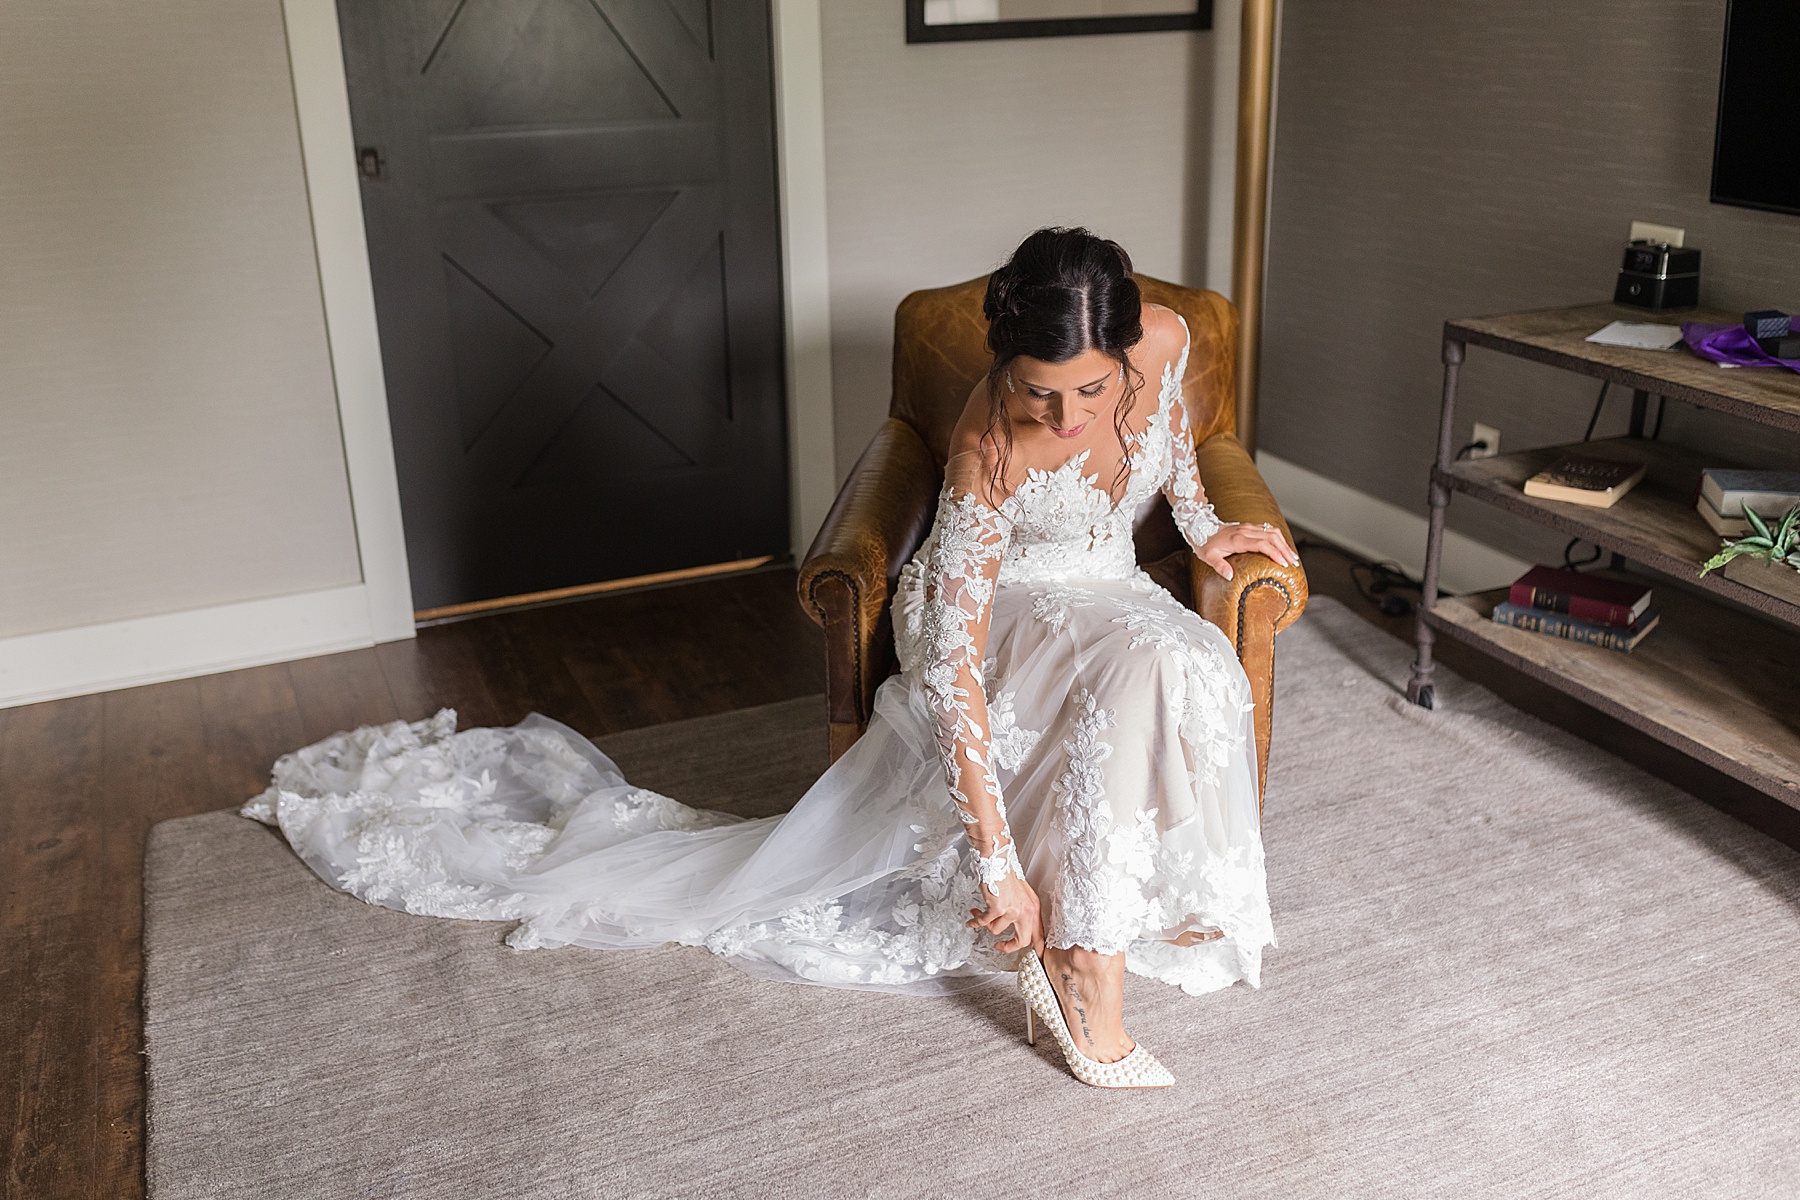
point(1244, 538)
point(1012, 905)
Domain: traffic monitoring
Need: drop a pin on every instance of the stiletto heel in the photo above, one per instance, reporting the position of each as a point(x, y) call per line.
point(1139, 1069)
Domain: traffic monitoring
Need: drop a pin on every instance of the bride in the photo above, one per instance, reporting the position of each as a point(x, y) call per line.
point(1061, 781)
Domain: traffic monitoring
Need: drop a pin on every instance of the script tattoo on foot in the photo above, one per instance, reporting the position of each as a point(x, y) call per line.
point(1080, 1012)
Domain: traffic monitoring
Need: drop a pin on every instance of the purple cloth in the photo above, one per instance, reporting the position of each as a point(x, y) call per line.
point(1731, 344)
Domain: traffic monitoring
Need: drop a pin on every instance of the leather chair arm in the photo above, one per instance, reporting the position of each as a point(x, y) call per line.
point(1262, 597)
point(882, 514)
point(1238, 493)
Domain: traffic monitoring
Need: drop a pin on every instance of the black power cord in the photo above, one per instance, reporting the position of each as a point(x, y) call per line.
point(1377, 582)
point(1594, 420)
point(1569, 563)
point(1662, 403)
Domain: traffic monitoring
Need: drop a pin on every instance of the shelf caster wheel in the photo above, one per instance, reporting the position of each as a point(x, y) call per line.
point(1420, 695)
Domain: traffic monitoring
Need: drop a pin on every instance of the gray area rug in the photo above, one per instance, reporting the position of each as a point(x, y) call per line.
point(1510, 965)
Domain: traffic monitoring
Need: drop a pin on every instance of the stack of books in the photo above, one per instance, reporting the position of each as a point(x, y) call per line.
point(1725, 494)
point(1613, 614)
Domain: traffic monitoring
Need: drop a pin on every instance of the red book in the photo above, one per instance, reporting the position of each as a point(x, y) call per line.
point(1584, 597)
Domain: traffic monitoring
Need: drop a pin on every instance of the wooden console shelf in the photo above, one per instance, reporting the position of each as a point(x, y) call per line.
point(1714, 684)
point(1711, 681)
point(1654, 525)
point(1556, 336)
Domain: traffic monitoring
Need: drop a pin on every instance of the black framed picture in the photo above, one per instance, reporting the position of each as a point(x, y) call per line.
point(977, 20)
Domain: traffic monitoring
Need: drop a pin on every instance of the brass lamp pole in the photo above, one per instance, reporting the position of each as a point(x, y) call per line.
point(1256, 74)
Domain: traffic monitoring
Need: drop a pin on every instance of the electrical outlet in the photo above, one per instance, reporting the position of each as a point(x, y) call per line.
point(1487, 440)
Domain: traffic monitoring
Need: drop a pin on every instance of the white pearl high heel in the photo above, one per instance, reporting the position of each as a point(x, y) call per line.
point(1139, 1069)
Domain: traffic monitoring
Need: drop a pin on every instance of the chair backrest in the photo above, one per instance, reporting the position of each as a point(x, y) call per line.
point(940, 350)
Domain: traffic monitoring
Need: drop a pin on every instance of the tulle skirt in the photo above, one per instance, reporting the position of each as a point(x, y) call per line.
point(1121, 724)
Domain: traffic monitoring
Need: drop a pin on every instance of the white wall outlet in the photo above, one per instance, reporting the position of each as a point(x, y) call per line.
point(1487, 440)
point(1648, 231)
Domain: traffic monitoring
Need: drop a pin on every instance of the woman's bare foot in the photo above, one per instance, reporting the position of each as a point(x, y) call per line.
point(1194, 937)
point(1091, 989)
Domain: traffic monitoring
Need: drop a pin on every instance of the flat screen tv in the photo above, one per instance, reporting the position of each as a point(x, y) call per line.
point(1756, 148)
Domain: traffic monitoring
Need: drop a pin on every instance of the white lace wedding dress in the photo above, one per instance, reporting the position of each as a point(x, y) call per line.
point(1118, 731)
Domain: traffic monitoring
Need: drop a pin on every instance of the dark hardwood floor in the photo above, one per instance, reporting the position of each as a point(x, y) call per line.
point(83, 780)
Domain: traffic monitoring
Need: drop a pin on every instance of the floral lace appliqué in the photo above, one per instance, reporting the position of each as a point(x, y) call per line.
point(1087, 912)
point(1012, 742)
point(1052, 605)
point(644, 811)
point(1212, 694)
point(1193, 516)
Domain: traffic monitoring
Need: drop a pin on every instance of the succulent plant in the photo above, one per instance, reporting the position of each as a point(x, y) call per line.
point(1778, 545)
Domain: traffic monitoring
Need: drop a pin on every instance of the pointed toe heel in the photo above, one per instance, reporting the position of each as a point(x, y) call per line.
point(1139, 1069)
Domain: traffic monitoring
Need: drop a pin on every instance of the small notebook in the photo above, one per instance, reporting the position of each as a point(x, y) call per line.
point(1577, 479)
point(1638, 336)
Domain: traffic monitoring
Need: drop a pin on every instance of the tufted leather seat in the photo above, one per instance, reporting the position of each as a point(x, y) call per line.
point(886, 506)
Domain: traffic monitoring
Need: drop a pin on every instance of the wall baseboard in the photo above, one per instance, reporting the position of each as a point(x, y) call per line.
point(1379, 530)
point(119, 654)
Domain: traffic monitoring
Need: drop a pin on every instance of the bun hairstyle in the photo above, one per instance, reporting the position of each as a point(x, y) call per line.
point(1062, 293)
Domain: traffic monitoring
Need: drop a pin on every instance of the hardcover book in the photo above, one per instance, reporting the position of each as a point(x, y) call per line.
point(1590, 598)
point(1606, 637)
point(1768, 494)
point(1719, 523)
point(1577, 479)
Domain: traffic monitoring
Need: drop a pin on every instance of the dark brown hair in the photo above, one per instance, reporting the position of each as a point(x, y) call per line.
point(1062, 293)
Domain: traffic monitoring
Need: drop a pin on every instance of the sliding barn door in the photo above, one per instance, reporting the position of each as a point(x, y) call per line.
point(573, 227)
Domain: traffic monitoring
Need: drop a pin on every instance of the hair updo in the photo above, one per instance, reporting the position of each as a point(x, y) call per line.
point(1062, 293)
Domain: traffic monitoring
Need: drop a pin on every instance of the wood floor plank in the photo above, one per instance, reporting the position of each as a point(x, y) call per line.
point(336, 692)
point(525, 658)
point(616, 658)
point(438, 669)
point(16, 905)
point(250, 718)
point(711, 671)
point(658, 656)
point(790, 648)
point(52, 862)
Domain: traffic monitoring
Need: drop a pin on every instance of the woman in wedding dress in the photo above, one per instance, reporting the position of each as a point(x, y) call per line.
point(1061, 780)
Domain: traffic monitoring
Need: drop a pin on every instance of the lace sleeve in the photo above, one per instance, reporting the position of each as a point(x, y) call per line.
point(960, 571)
point(1193, 515)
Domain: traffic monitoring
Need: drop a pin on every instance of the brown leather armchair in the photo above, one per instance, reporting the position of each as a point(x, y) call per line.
point(886, 507)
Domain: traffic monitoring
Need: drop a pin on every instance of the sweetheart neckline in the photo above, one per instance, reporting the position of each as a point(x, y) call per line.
point(1173, 372)
point(1132, 455)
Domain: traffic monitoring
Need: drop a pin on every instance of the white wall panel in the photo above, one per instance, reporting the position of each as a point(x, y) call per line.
point(169, 436)
point(941, 157)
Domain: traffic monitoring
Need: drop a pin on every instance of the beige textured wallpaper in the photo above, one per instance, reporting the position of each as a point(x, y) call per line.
point(168, 429)
point(940, 158)
point(1434, 160)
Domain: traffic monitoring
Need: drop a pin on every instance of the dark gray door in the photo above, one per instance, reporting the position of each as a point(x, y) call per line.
point(573, 229)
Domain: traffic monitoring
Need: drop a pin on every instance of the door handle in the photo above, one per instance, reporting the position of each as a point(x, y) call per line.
point(369, 163)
